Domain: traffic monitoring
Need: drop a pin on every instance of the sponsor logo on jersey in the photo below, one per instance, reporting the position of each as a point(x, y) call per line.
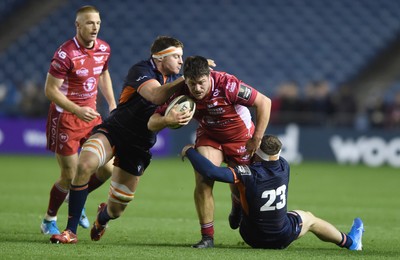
point(97, 70)
point(216, 93)
point(242, 149)
point(140, 78)
point(82, 72)
point(102, 47)
point(244, 92)
point(76, 53)
point(56, 65)
point(216, 111)
point(231, 86)
point(214, 104)
point(243, 170)
point(82, 61)
point(98, 59)
point(89, 84)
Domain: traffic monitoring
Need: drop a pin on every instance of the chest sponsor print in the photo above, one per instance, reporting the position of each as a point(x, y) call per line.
point(89, 84)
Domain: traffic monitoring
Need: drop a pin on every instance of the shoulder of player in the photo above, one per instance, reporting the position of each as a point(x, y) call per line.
point(223, 80)
point(139, 73)
point(142, 69)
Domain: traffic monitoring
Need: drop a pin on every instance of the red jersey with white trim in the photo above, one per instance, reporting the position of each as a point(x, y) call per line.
point(80, 68)
point(223, 112)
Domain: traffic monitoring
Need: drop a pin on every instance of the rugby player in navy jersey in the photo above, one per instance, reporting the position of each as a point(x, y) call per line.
point(124, 135)
point(263, 187)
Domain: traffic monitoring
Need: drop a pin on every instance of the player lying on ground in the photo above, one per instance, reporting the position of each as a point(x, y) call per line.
point(263, 187)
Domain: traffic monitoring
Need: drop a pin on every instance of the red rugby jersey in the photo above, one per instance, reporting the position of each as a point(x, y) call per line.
point(223, 113)
point(80, 68)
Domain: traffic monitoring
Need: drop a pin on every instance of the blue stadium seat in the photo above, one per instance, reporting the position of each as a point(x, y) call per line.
point(263, 42)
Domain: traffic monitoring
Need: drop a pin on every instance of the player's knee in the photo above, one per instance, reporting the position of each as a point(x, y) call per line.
point(120, 194)
point(309, 219)
point(104, 172)
point(85, 168)
point(309, 214)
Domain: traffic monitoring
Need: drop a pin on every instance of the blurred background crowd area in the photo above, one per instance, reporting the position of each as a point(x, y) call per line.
point(323, 63)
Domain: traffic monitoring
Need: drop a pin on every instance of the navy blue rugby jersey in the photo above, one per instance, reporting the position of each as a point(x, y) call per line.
point(129, 119)
point(263, 189)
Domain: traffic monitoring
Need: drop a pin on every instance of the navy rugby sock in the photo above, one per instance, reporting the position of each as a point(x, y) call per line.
point(346, 241)
point(103, 217)
point(77, 200)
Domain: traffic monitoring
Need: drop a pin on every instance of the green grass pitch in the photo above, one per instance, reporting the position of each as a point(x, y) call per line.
point(161, 222)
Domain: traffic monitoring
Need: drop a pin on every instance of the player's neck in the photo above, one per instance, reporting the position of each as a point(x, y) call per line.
point(85, 44)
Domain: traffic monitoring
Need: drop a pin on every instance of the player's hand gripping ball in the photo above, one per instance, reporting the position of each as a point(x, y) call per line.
point(184, 103)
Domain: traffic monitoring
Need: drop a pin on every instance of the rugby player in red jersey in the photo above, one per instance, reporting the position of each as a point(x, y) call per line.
point(226, 132)
point(78, 68)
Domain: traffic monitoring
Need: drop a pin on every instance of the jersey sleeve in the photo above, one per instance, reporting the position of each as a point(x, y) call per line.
point(242, 172)
point(60, 64)
point(138, 75)
point(238, 92)
point(105, 67)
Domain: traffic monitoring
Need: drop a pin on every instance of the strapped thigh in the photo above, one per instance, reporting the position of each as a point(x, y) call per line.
point(96, 146)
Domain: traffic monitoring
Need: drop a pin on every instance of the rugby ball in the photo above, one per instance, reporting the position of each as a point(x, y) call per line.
point(184, 103)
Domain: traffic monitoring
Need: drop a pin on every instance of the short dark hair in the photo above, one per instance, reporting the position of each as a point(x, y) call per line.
point(270, 144)
point(163, 42)
point(87, 9)
point(195, 67)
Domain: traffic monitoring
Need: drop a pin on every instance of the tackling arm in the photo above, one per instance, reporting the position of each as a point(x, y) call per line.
point(158, 94)
point(206, 168)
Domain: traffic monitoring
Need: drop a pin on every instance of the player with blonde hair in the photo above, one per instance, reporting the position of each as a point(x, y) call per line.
point(78, 68)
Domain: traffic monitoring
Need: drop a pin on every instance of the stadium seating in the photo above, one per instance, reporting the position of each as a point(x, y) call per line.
point(7, 7)
point(263, 42)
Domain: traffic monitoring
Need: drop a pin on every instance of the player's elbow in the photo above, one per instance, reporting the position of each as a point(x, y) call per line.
point(211, 173)
point(153, 99)
point(266, 101)
point(48, 93)
point(156, 98)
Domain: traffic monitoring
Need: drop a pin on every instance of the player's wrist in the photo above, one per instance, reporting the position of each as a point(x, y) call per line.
point(256, 138)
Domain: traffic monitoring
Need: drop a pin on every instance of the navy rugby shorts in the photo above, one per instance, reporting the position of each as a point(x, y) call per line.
point(258, 239)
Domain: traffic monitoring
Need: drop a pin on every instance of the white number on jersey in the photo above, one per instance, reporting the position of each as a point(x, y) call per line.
point(271, 195)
